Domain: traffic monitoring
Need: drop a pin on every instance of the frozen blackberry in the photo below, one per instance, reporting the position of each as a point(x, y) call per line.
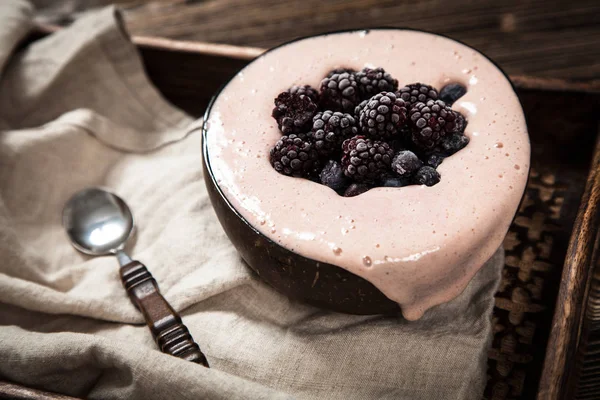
point(333, 176)
point(383, 115)
point(434, 160)
point(430, 122)
point(293, 155)
point(395, 182)
point(293, 112)
point(330, 129)
point(339, 92)
point(359, 108)
point(355, 189)
point(426, 176)
point(373, 81)
point(417, 92)
point(460, 124)
point(340, 71)
point(452, 92)
point(306, 90)
point(453, 143)
point(366, 160)
point(406, 163)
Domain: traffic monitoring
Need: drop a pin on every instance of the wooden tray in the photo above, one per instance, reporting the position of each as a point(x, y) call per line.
point(547, 315)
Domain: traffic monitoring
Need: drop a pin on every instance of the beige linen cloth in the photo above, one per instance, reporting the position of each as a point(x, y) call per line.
point(77, 110)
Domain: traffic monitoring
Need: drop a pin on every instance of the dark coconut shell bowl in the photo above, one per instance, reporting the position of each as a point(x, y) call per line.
point(320, 284)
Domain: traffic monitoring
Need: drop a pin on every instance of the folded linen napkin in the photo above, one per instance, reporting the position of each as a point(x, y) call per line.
point(77, 110)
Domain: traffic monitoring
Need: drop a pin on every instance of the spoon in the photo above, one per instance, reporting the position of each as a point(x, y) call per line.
point(99, 223)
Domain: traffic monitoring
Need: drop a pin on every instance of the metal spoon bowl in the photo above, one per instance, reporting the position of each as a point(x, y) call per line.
point(99, 222)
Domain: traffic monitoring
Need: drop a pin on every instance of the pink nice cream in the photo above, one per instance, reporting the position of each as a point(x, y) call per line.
point(418, 245)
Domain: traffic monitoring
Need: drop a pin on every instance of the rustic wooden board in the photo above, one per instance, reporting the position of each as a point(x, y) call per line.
point(546, 38)
point(575, 317)
point(12, 391)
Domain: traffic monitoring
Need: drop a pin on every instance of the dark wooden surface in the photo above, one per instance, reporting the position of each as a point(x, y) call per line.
point(548, 38)
point(169, 332)
point(571, 324)
point(12, 391)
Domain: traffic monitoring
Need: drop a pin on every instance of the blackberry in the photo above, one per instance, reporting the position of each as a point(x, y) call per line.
point(430, 122)
point(460, 124)
point(453, 143)
point(406, 163)
point(427, 176)
point(452, 92)
point(383, 115)
point(305, 90)
point(333, 176)
point(365, 160)
point(373, 81)
point(359, 108)
point(434, 160)
point(340, 71)
point(293, 155)
point(417, 92)
point(339, 92)
point(330, 129)
point(355, 189)
point(293, 112)
point(395, 182)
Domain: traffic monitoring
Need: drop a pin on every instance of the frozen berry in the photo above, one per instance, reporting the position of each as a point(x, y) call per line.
point(339, 92)
point(452, 92)
point(333, 176)
point(293, 155)
point(417, 92)
point(427, 176)
point(359, 108)
point(330, 129)
point(306, 90)
point(365, 160)
point(373, 81)
point(453, 143)
point(430, 122)
point(406, 163)
point(395, 182)
point(434, 160)
point(460, 124)
point(293, 112)
point(340, 71)
point(383, 115)
point(355, 189)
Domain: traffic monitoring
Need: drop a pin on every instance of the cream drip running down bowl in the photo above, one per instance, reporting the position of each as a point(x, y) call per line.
point(389, 249)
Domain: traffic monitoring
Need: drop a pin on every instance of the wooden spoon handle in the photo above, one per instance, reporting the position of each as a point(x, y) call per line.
point(166, 326)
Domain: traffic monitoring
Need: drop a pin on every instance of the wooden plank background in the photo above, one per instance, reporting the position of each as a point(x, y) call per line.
point(547, 38)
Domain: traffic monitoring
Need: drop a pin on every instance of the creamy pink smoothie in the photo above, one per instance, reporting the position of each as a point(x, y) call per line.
point(419, 245)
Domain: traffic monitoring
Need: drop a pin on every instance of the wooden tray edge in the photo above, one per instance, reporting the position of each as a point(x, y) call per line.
point(249, 53)
point(557, 380)
point(12, 391)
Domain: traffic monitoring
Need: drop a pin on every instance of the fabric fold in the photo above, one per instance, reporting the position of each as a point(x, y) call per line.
point(16, 17)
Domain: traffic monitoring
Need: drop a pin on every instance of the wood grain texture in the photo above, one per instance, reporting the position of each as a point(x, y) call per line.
point(547, 38)
point(565, 338)
point(13, 391)
point(169, 332)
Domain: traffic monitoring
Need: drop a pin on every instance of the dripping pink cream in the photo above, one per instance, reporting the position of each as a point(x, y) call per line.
point(419, 245)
